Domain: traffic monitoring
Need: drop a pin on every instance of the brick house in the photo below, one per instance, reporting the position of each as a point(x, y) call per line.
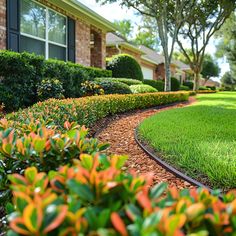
point(152, 63)
point(60, 29)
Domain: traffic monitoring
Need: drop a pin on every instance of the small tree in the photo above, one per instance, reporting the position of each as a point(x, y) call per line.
point(124, 27)
point(210, 68)
point(228, 80)
point(168, 15)
point(205, 19)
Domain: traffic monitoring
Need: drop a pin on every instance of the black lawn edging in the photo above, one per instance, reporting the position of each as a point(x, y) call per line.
point(168, 167)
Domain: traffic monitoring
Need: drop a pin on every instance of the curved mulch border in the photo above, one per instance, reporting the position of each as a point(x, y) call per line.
point(119, 132)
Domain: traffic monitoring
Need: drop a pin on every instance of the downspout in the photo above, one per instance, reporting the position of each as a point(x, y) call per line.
point(119, 50)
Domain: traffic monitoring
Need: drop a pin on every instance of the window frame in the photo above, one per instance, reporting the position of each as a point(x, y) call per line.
point(46, 40)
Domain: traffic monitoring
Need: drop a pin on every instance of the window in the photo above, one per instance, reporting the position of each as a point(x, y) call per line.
point(42, 31)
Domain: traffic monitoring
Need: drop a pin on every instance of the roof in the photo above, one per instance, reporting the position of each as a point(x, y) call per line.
point(79, 10)
point(113, 39)
point(151, 55)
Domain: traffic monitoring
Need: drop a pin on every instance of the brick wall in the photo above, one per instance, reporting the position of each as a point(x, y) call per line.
point(82, 43)
point(111, 51)
point(3, 24)
point(83, 50)
point(98, 50)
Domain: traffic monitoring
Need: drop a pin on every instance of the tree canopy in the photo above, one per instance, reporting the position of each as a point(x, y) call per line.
point(210, 67)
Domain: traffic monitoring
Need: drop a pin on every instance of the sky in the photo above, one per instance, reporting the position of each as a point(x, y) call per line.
point(114, 12)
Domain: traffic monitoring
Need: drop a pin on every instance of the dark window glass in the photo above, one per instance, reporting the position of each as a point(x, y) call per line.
point(57, 52)
point(32, 45)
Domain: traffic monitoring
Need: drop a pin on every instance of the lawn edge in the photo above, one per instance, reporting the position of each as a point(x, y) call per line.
point(165, 165)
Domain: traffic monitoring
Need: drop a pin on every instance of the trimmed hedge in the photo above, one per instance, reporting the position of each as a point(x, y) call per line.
point(175, 84)
point(113, 87)
point(124, 66)
point(206, 91)
point(157, 84)
point(123, 80)
point(184, 88)
point(20, 73)
point(189, 84)
point(142, 88)
point(86, 111)
point(203, 88)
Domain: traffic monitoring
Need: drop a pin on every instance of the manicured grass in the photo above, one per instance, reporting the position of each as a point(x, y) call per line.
point(199, 139)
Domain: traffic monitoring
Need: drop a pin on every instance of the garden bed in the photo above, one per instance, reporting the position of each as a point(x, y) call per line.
point(198, 140)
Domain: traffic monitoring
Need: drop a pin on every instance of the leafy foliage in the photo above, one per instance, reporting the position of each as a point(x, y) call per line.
point(90, 88)
point(189, 84)
point(21, 73)
point(41, 145)
point(142, 88)
point(113, 87)
point(175, 84)
point(50, 88)
point(184, 88)
point(210, 68)
point(127, 81)
point(157, 84)
point(228, 80)
point(125, 66)
point(94, 197)
point(88, 110)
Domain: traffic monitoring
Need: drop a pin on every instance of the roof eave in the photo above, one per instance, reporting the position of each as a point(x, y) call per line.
point(81, 11)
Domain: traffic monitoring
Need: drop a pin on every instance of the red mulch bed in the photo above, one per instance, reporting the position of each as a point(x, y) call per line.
point(120, 134)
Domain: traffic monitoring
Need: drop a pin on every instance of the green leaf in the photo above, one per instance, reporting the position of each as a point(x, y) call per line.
point(86, 161)
point(83, 191)
point(133, 211)
point(30, 174)
point(9, 208)
point(121, 161)
point(39, 145)
point(103, 146)
point(103, 218)
point(158, 190)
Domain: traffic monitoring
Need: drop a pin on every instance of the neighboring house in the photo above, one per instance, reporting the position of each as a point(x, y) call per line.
point(209, 82)
point(61, 29)
point(152, 63)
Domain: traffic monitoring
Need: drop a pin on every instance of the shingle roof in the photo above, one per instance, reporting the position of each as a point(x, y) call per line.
point(152, 55)
point(149, 54)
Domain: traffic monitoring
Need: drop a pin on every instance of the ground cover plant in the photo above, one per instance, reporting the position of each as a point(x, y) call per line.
point(199, 139)
point(63, 183)
point(87, 110)
point(94, 197)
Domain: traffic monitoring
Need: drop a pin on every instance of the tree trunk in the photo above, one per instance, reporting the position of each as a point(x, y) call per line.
point(167, 76)
point(196, 80)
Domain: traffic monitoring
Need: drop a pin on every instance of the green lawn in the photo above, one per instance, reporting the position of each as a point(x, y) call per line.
point(199, 139)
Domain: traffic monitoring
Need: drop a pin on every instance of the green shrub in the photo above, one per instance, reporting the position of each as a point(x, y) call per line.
point(123, 80)
point(184, 88)
point(90, 88)
point(142, 88)
point(192, 93)
point(175, 84)
point(40, 145)
point(189, 84)
point(125, 66)
point(94, 197)
point(157, 84)
point(86, 111)
point(211, 87)
point(50, 88)
point(113, 87)
point(203, 88)
point(20, 74)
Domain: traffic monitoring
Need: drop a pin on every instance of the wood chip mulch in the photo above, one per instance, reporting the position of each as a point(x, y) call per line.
point(120, 134)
